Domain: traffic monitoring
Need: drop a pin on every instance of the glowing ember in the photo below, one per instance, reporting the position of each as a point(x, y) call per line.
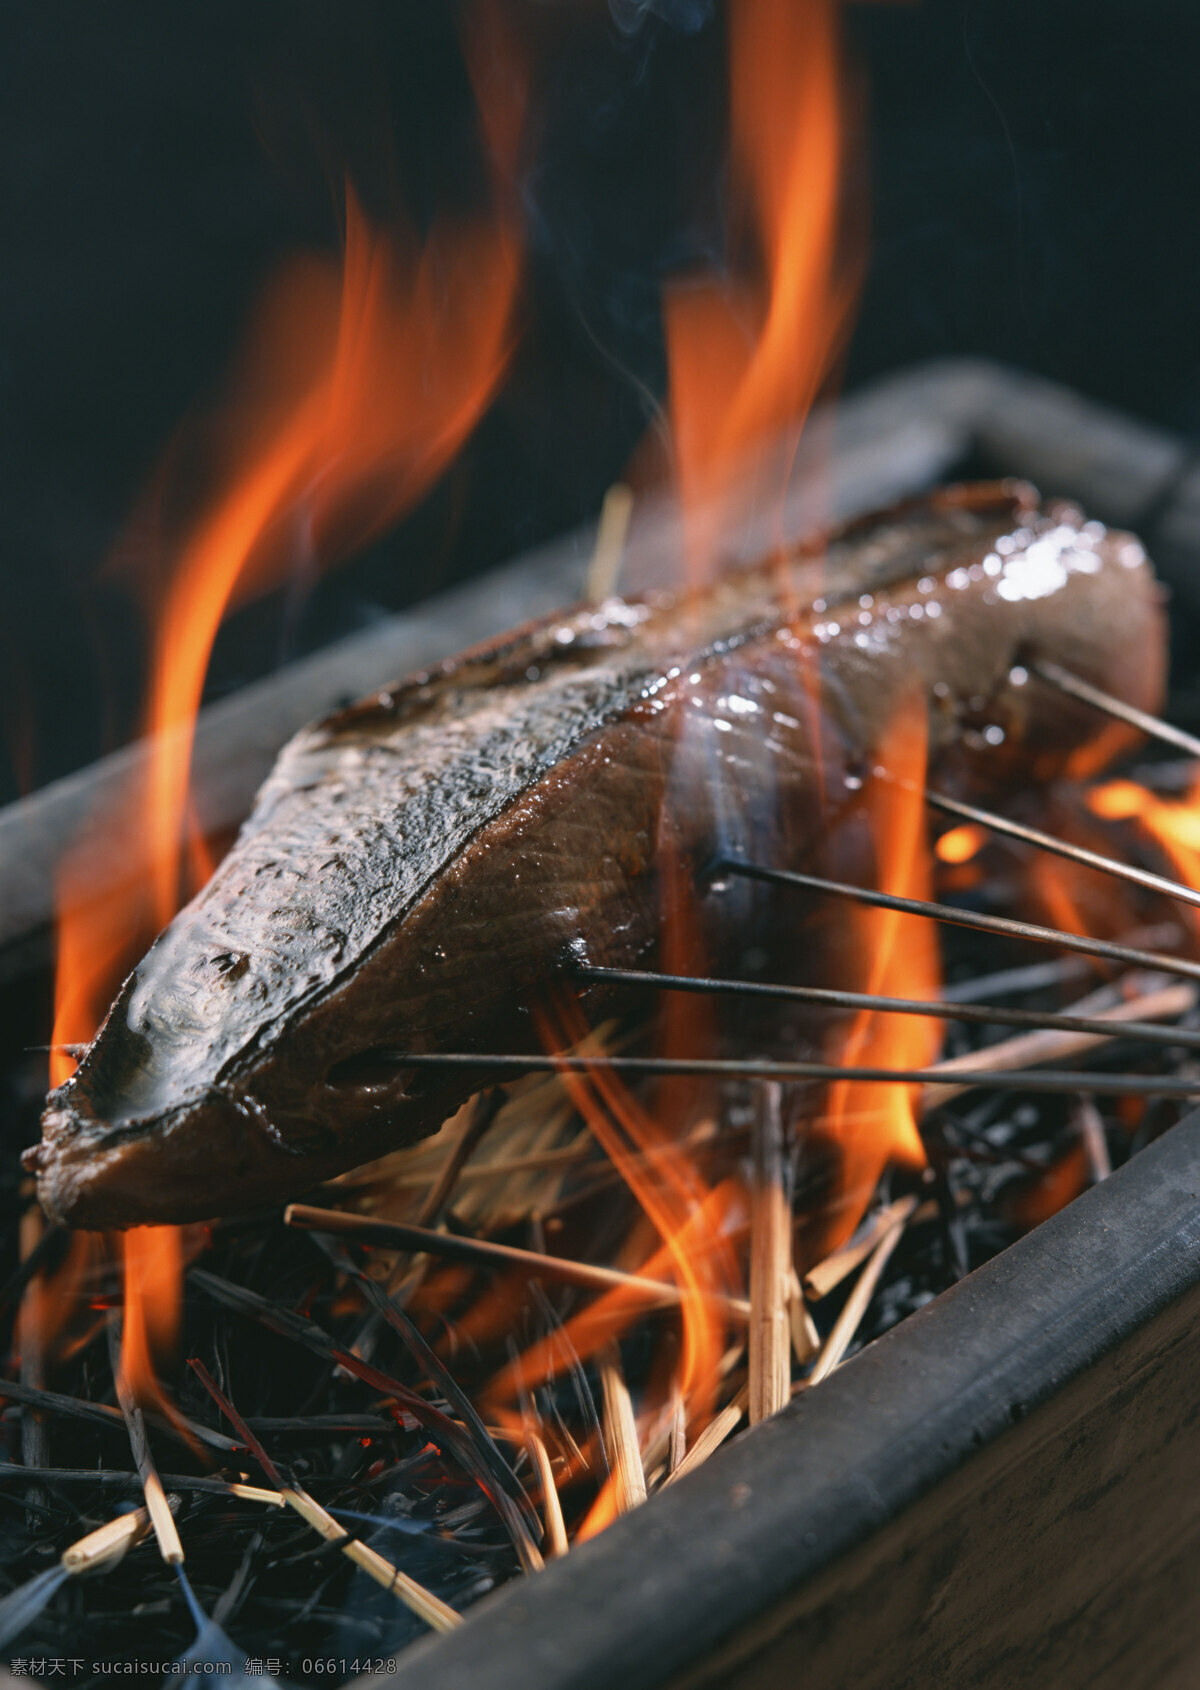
point(960, 844)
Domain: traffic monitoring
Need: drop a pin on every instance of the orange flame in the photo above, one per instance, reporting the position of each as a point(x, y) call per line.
point(706, 1235)
point(747, 353)
point(871, 1124)
point(93, 952)
point(413, 355)
point(52, 1300)
point(1056, 889)
point(358, 389)
point(673, 1195)
point(603, 1511)
point(1174, 823)
point(748, 357)
point(1078, 899)
point(153, 1263)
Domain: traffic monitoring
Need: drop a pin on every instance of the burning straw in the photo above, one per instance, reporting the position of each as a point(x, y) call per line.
point(530, 1264)
point(770, 1261)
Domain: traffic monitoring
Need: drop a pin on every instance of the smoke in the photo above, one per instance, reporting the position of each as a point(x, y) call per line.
point(686, 16)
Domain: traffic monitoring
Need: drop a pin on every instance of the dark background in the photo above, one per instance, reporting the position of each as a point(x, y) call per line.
point(1034, 185)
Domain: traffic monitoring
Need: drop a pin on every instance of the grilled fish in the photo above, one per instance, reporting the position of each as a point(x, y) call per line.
point(420, 865)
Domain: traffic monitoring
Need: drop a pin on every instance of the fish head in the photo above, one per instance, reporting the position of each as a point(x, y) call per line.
point(240, 1060)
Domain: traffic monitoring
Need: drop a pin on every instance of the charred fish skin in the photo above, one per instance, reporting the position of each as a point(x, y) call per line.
point(417, 868)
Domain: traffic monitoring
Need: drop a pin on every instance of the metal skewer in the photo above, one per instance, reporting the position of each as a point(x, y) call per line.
point(643, 1067)
point(1086, 693)
point(1106, 948)
point(1152, 1032)
point(1062, 848)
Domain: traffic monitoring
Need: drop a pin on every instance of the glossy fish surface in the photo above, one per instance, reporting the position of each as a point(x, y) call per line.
point(418, 867)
